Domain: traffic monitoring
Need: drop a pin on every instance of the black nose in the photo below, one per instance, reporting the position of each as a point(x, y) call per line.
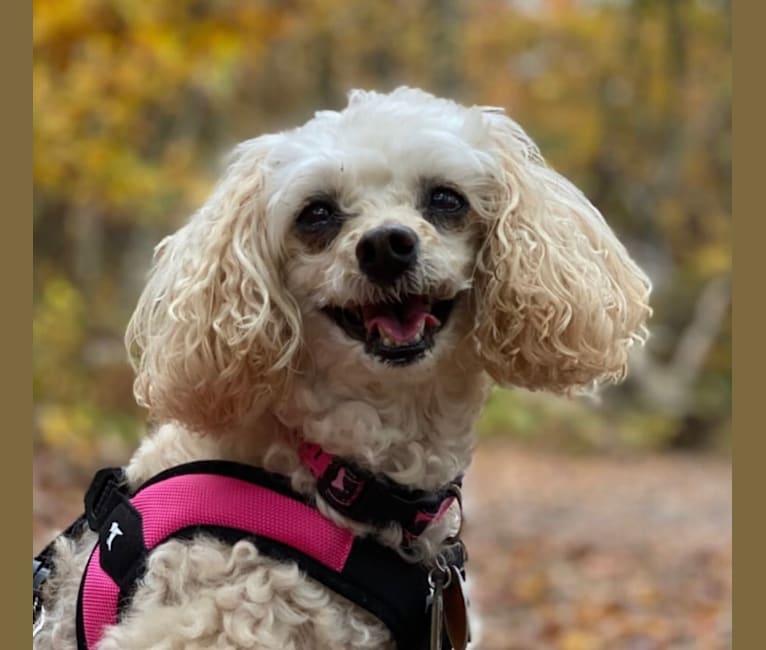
point(386, 252)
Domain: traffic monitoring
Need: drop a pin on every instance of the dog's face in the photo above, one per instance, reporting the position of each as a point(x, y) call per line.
point(379, 229)
point(384, 276)
point(386, 236)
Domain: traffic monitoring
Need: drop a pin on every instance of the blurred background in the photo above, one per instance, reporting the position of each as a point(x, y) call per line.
point(616, 521)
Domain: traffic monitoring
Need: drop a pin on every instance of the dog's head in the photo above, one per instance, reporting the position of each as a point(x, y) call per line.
point(389, 237)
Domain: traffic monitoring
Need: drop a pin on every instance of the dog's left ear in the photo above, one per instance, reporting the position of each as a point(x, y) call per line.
point(559, 300)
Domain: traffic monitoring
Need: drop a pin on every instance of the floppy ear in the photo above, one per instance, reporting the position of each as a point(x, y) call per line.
point(559, 300)
point(214, 333)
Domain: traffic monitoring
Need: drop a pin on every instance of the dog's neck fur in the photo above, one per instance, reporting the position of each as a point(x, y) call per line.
point(420, 434)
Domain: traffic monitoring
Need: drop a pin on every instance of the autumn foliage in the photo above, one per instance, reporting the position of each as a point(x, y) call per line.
point(136, 102)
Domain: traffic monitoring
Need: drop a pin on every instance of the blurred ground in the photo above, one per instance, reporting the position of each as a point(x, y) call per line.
point(566, 553)
point(600, 552)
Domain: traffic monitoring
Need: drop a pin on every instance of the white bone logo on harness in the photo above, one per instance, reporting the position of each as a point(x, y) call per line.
point(114, 531)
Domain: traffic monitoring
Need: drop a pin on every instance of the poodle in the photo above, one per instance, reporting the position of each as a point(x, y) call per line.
point(356, 284)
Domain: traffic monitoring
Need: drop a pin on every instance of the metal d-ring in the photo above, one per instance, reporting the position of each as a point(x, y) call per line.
point(457, 493)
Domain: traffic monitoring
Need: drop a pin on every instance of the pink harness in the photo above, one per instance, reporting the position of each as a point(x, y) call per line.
point(233, 502)
point(209, 500)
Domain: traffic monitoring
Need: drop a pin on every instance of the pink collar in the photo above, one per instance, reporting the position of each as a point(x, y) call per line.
point(375, 499)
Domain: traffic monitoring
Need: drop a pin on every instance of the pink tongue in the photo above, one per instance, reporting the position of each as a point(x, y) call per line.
point(384, 318)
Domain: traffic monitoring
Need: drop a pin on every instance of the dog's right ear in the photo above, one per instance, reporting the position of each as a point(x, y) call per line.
point(559, 299)
point(214, 333)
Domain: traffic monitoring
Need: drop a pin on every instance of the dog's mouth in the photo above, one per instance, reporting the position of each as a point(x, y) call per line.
point(398, 333)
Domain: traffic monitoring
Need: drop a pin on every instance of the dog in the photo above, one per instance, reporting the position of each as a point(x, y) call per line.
point(357, 283)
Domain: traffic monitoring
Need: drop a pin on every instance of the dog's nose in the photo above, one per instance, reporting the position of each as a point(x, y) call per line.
point(386, 252)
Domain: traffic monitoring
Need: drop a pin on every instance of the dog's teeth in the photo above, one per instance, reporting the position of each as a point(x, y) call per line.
point(391, 343)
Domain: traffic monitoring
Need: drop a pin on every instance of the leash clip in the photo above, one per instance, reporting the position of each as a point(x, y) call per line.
point(439, 577)
point(40, 573)
point(39, 617)
point(449, 603)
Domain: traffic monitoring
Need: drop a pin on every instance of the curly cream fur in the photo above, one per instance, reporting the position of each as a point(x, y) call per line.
point(559, 300)
point(235, 358)
point(215, 596)
point(213, 332)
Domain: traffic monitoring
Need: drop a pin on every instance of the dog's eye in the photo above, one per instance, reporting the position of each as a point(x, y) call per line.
point(316, 216)
point(446, 201)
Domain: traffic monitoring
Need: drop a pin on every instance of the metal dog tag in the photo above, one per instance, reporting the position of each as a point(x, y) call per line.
point(456, 610)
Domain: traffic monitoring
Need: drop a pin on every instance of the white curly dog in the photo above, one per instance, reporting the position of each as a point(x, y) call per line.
point(359, 283)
